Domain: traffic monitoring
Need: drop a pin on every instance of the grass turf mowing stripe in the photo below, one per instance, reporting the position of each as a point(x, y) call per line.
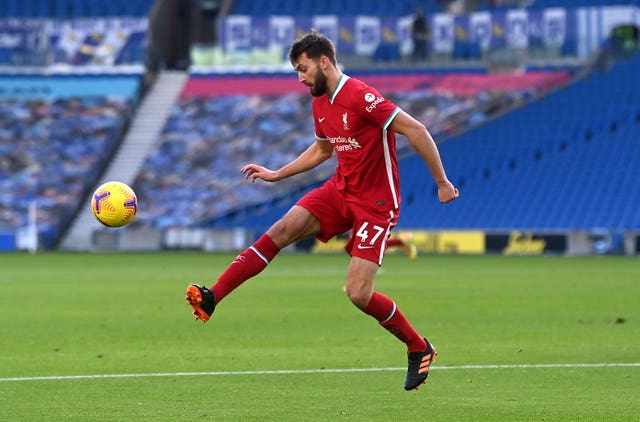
point(319, 371)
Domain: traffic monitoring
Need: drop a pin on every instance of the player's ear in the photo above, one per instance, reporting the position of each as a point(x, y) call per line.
point(324, 62)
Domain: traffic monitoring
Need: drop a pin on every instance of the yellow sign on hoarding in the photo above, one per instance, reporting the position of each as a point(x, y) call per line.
point(335, 244)
point(449, 242)
point(524, 243)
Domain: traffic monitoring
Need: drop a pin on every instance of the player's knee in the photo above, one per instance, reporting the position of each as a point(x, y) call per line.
point(358, 296)
point(283, 232)
point(297, 224)
point(278, 232)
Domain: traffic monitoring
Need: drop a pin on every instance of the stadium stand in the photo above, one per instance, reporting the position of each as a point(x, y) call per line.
point(65, 9)
point(492, 5)
point(192, 176)
point(73, 32)
point(142, 133)
point(579, 3)
point(344, 7)
point(193, 173)
point(58, 132)
point(396, 8)
point(563, 162)
point(50, 152)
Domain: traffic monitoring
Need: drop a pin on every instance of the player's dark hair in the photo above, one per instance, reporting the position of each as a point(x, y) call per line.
point(315, 45)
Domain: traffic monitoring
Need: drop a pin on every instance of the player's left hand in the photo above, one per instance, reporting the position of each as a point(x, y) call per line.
point(447, 192)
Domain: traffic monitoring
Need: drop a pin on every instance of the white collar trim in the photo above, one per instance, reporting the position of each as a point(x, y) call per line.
point(343, 79)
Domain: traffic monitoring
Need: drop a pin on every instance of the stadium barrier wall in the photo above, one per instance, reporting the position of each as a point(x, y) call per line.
point(7, 242)
point(144, 239)
point(37, 86)
point(632, 243)
point(593, 242)
point(516, 242)
point(475, 242)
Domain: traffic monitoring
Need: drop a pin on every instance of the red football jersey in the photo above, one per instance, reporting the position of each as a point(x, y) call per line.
point(356, 120)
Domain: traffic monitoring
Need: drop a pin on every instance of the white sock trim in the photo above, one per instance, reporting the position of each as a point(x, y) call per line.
point(264, 258)
point(393, 312)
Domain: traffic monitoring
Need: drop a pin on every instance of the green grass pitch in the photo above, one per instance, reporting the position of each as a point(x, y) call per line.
point(109, 337)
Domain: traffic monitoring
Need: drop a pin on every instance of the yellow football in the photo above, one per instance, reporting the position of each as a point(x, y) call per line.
point(114, 204)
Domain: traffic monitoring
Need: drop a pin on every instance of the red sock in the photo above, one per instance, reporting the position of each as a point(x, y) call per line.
point(394, 242)
point(249, 263)
point(389, 316)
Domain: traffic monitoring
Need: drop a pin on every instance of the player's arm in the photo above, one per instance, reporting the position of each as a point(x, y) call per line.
point(423, 143)
point(318, 152)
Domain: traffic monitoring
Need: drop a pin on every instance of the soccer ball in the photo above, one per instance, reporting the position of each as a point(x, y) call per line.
point(114, 204)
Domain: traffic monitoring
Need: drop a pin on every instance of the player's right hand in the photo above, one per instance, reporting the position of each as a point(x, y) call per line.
point(254, 171)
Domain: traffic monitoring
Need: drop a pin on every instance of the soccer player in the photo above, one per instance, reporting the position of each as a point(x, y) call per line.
point(358, 125)
point(405, 243)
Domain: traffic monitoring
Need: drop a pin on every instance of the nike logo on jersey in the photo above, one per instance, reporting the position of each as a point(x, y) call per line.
point(321, 119)
point(361, 246)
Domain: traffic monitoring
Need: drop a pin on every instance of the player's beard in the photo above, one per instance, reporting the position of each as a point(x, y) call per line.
point(319, 84)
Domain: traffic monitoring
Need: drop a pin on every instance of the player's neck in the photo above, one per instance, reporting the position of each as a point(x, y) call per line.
point(333, 79)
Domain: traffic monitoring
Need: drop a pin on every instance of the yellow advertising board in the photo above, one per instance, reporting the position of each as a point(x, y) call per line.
point(447, 242)
point(335, 244)
point(524, 243)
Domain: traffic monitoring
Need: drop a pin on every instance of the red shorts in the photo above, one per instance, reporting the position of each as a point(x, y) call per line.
point(337, 213)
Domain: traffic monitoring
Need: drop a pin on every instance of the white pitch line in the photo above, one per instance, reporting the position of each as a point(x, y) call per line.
point(318, 371)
